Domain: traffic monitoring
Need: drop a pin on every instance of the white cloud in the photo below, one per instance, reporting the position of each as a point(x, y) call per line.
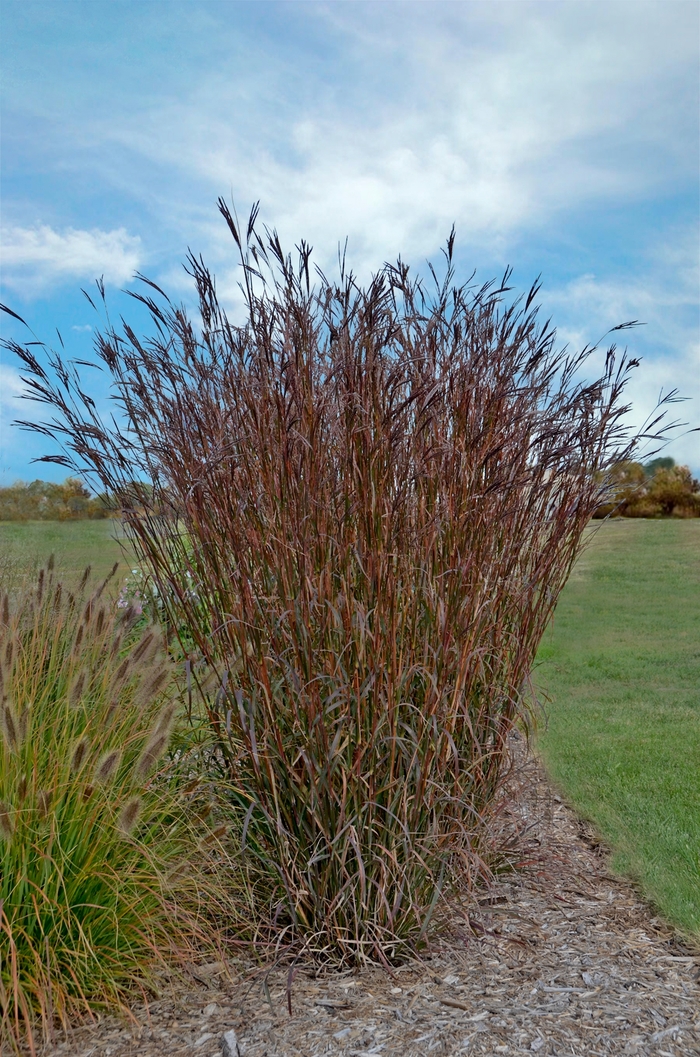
point(11, 407)
point(11, 386)
point(37, 258)
point(497, 116)
point(663, 295)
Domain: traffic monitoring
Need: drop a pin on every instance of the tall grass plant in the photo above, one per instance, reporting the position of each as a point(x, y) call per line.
point(358, 508)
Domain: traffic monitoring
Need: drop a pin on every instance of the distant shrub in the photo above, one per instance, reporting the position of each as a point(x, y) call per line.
point(95, 840)
point(657, 489)
point(362, 507)
point(46, 501)
point(673, 490)
point(662, 463)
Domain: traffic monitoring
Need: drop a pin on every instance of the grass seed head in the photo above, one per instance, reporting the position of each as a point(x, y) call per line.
point(107, 766)
point(77, 687)
point(122, 673)
point(10, 725)
point(144, 646)
point(6, 820)
point(116, 646)
point(165, 720)
point(151, 754)
point(79, 755)
point(129, 814)
point(43, 802)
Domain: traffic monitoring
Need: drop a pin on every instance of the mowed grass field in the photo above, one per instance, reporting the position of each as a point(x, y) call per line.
point(26, 545)
point(621, 667)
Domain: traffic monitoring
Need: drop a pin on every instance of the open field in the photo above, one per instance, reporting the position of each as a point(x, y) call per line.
point(24, 545)
point(622, 668)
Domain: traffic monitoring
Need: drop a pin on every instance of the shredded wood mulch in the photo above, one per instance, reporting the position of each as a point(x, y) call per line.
point(560, 958)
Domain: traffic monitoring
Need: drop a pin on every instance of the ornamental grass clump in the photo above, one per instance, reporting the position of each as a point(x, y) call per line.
point(378, 493)
point(92, 826)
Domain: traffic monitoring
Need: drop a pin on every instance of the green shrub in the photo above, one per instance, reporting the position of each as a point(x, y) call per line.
point(47, 501)
point(94, 837)
point(658, 489)
point(361, 507)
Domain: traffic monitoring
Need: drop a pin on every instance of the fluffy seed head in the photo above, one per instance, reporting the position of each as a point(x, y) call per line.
point(143, 646)
point(6, 827)
point(129, 814)
point(122, 672)
point(107, 765)
point(116, 645)
point(10, 726)
point(79, 754)
point(43, 803)
point(157, 681)
point(151, 754)
point(213, 836)
point(76, 690)
point(165, 720)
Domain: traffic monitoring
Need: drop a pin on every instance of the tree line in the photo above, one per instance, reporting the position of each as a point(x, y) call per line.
point(656, 489)
point(48, 501)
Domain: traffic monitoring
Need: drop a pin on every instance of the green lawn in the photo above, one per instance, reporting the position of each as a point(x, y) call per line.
point(24, 545)
point(621, 666)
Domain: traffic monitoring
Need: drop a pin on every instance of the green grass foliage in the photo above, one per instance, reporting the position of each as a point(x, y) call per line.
point(622, 668)
point(96, 839)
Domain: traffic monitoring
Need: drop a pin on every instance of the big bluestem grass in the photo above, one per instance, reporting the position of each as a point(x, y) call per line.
point(92, 827)
point(378, 494)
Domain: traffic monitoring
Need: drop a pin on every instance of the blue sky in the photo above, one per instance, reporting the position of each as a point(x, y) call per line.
point(560, 138)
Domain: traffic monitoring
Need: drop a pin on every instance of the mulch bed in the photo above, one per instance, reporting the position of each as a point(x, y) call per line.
point(559, 958)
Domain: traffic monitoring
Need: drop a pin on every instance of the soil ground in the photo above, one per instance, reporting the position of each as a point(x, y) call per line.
point(560, 957)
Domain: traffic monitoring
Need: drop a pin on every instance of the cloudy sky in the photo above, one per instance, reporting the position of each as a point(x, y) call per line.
point(561, 138)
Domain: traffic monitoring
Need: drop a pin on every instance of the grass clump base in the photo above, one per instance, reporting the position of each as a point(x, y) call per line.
point(95, 842)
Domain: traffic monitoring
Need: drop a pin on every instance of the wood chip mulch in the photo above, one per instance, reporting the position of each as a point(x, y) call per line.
point(560, 958)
